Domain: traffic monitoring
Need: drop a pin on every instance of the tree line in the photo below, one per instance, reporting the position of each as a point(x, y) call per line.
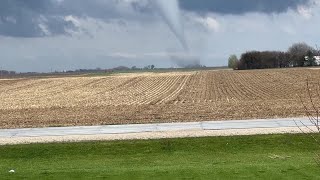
point(5, 72)
point(298, 55)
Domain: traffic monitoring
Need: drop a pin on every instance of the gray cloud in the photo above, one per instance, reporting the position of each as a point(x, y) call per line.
point(241, 6)
point(38, 18)
point(34, 18)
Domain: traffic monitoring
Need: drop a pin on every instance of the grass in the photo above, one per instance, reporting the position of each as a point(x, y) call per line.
point(242, 157)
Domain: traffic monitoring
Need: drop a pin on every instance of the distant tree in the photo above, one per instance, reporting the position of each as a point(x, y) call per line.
point(284, 60)
point(263, 60)
point(134, 68)
point(298, 55)
point(149, 67)
point(298, 52)
point(121, 68)
point(268, 59)
point(317, 51)
point(250, 60)
point(233, 61)
point(12, 73)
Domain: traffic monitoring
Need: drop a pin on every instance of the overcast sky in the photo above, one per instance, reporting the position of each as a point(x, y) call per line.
point(45, 35)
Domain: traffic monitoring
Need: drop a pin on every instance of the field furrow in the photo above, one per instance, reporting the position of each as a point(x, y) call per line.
point(158, 97)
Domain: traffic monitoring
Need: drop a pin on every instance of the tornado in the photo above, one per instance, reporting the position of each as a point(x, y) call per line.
point(170, 12)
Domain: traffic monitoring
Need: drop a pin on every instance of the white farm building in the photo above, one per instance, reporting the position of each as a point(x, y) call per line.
point(317, 59)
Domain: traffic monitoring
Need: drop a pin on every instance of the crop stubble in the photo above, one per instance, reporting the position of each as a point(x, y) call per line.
point(158, 97)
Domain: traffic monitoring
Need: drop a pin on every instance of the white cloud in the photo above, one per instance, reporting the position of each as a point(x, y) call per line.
point(305, 12)
point(73, 20)
point(210, 23)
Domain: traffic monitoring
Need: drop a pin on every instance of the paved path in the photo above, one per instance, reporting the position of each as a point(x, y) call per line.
point(144, 128)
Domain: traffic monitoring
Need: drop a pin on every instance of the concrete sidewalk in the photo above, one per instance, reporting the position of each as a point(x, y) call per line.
point(163, 127)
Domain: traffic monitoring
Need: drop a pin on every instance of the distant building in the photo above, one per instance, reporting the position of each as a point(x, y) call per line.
point(317, 59)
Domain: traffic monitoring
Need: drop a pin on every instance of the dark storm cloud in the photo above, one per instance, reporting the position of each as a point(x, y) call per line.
point(30, 18)
point(12, 6)
point(241, 6)
point(36, 18)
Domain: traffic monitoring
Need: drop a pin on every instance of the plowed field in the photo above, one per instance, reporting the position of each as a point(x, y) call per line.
point(156, 97)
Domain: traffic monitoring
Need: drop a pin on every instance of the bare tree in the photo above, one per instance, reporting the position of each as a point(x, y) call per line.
point(310, 103)
point(298, 52)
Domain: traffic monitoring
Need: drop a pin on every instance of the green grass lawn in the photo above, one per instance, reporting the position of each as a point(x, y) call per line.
point(241, 157)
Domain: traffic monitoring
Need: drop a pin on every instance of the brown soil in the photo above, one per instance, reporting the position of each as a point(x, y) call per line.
point(161, 97)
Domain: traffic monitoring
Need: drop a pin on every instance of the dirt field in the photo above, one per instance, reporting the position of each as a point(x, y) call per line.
point(158, 97)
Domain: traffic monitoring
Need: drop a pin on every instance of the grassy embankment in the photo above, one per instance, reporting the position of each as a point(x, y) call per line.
point(242, 157)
